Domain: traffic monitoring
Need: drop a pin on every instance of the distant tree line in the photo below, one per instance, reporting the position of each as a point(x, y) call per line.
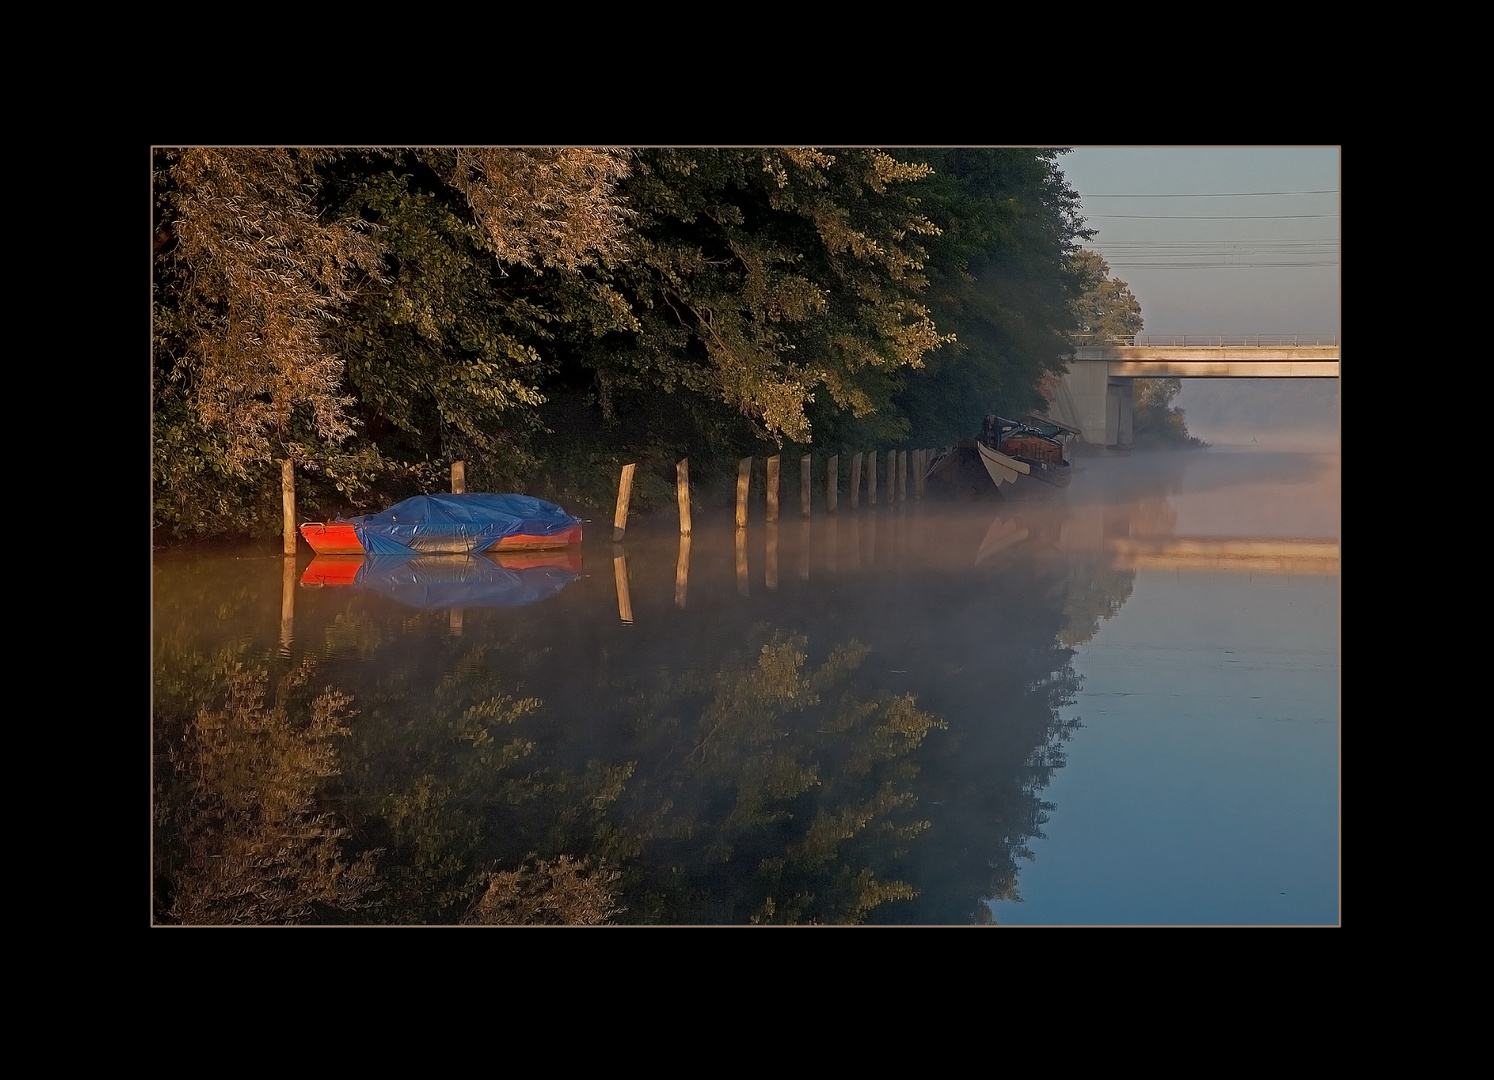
point(547, 314)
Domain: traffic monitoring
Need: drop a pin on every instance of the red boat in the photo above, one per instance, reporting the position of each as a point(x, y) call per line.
point(340, 538)
point(465, 524)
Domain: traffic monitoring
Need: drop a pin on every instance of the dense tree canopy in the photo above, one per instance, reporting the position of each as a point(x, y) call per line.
point(770, 281)
point(373, 315)
point(1002, 280)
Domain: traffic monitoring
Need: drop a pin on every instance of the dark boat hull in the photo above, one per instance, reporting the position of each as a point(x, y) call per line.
point(970, 470)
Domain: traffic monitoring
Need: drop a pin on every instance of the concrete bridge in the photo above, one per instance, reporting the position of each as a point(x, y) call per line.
point(1094, 398)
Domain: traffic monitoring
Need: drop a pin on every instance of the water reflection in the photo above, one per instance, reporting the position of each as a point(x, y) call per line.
point(682, 571)
point(449, 581)
point(868, 740)
point(620, 578)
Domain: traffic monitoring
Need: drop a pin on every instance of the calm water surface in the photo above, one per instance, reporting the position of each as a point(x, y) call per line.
point(1117, 707)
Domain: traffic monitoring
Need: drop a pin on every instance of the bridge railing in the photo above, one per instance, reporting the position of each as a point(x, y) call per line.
point(1216, 340)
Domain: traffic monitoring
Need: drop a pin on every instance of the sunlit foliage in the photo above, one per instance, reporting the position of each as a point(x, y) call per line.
point(544, 208)
point(249, 279)
point(765, 279)
point(1106, 310)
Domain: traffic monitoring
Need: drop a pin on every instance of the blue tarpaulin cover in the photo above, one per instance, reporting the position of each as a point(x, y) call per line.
point(454, 581)
point(457, 523)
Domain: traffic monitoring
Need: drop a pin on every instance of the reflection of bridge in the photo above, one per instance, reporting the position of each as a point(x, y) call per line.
point(1230, 555)
point(1138, 540)
point(1094, 397)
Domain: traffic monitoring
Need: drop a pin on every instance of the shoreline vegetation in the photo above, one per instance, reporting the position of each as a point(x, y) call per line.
point(548, 315)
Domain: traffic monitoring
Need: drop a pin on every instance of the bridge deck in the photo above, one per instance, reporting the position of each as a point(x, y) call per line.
point(1224, 361)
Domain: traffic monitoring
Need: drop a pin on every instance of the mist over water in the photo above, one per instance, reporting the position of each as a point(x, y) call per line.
point(1280, 414)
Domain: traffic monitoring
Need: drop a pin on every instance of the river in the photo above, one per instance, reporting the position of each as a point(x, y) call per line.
point(1118, 707)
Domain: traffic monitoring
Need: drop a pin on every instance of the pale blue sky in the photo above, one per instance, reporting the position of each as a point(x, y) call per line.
point(1234, 262)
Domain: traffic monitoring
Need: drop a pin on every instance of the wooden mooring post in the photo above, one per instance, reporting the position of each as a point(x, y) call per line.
point(871, 479)
point(855, 480)
point(458, 477)
point(288, 503)
point(804, 482)
point(773, 488)
point(624, 493)
point(744, 481)
point(832, 483)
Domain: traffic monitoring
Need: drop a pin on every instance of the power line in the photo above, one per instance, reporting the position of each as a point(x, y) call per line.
point(1220, 248)
point(1217, 265)
point(1253, 241)
point(1216, 217)
point(1218, 194)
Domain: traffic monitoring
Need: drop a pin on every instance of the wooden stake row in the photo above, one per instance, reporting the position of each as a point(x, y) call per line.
point(896, 470)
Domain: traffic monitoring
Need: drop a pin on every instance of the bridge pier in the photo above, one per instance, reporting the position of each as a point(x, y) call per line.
point(1119, 406)
point(1099, 405)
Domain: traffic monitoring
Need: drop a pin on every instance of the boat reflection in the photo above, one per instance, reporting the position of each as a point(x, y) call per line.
point(433, 582)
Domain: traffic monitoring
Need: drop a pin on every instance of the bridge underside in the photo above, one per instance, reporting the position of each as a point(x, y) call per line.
point(1095, 395)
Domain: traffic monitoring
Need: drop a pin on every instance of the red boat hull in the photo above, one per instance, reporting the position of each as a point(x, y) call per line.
point(339, 538)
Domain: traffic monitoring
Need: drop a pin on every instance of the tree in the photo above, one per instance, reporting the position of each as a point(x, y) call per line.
point(543, 208)
point(769, 281)
point(249, 277)
point(1002, 284)
point(376, 314)
point(301, 295)
point(449, 356)
point(1106, 310)
point(1156, 421)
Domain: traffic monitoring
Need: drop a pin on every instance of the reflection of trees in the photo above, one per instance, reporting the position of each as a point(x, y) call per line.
point(1096, 592)
point(246, 834)
point(716, 769)
point(457, 780)
point(245, 838)
point(982, 782)
point(775, 795)
point(561, 892)
point(788, 793)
